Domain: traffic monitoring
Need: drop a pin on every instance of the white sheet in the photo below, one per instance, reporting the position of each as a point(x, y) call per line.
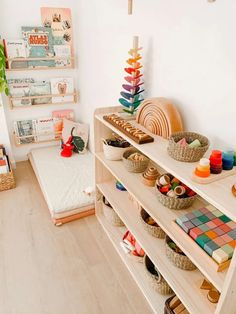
point(64, 179)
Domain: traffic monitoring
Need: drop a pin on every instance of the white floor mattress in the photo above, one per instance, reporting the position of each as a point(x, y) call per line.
point(63, 180)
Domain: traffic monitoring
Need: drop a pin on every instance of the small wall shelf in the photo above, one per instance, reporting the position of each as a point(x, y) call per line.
point(35, 136)
point(12, 107)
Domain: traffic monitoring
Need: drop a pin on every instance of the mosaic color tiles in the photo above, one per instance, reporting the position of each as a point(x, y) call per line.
point(214, 232)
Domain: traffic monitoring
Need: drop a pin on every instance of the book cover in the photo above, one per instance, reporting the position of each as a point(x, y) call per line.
point(45, 129)
point(39, 44)
point(20, 88)
point(59, 20)
point(26, 130)
point(60, 86)
point(40, 88)
point(59, 115)
point(15, 49)
point(65, 52)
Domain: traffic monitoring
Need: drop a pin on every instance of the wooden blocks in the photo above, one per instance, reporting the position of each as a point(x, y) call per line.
point(135, 134)
point(213, 231)
point(213, 294)
point(177, 306)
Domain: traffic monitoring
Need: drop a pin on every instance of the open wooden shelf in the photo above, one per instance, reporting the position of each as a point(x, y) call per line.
point(186, 284)
point(12, 98)
point(18, 138)
point(136, 269)
point(41, 67)
point(165, 218)
point(217, 193)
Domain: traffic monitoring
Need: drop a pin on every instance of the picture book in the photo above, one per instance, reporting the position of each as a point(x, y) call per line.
point(26, 130)
point(39, 88)
point(45, 129)
point(61, 86)
point(15, 49)
point(65, 52)
point(59, 20)
point(59, 115)
point(20, 88)
point(39, 44)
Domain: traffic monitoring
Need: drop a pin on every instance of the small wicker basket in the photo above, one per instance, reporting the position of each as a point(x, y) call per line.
point(135, 165)
point(7, 181)
point(155, 278)
point(111, 215)
point(153, 230)
point(112, 152)
point(185, 153)
point(179, 260)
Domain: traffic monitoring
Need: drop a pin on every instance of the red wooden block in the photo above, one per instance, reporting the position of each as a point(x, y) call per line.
point(225, 228)
point(217, 222)
point(195, 232)
point(226, 238)
point(220, 242)
point(211, 225)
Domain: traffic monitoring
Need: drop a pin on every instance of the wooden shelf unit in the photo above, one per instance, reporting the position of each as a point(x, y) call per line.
point(12, 98)
point(186, 284)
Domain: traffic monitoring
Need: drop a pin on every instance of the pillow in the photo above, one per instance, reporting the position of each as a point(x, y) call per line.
point(80, 134)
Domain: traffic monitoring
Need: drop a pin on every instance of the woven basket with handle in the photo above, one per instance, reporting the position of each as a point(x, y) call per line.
point(153, 230)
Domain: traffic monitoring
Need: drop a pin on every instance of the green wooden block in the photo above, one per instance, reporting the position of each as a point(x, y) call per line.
point(204, 227)
point(197, 213)
point(228, 250)
point(202, 240)
point(210, 247)
point(224, 218)
point(203, 219)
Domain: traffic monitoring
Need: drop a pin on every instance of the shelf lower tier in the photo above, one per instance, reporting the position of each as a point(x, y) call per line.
point(186, 284)
point(156, 301)
point(165, 218)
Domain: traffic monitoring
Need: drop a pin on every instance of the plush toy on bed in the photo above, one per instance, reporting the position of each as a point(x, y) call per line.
point(67, 148)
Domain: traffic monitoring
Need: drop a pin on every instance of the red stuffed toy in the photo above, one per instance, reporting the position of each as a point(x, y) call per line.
point(67, 148)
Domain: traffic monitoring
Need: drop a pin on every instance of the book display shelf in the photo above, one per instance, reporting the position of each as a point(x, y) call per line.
point(185, 284)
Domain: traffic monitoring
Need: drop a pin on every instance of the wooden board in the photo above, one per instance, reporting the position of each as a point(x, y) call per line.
point(214, 177)
point(137, 140)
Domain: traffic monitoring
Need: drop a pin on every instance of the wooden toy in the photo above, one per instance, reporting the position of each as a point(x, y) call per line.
point(127, 128)
point(195, 143)
point(203, 168)
point(132, 99)
point(213, 294)
point(228, 160)
point(150, 176)
point(234, 189)
point(159, 116)
point(214, 232)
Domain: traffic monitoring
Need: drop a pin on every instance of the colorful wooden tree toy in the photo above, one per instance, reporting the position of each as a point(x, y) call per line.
point(132, 94)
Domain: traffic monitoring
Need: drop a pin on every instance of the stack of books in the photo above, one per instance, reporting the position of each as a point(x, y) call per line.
point(4, 161)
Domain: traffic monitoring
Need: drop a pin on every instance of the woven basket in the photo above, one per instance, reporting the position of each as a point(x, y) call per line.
point(157, 281)
point(111, 215)
point(153, 230)
point(179, 260)
point(7, 181)
point(167, 309)
point(186, 153)
point(175, 203)
point(134, 165)
point(113, 153)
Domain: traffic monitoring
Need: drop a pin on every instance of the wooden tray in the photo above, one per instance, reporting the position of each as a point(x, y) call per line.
point(149, 139)
point(214, 177)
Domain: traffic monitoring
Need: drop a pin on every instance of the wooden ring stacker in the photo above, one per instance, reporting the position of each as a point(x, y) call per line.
point(234, 189)
point(213, 295)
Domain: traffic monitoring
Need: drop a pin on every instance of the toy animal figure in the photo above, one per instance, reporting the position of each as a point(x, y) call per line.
point(67, 148)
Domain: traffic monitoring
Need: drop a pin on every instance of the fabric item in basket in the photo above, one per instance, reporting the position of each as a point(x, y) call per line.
point(79, 131)
point(135, 248)
point(150, 225)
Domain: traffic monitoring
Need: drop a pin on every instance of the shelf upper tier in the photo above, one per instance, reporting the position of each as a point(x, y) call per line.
point(217, 193)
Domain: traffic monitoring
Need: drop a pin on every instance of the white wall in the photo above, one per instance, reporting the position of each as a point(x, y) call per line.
point(189, 55)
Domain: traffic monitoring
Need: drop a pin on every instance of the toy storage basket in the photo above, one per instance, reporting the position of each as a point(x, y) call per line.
point(113, 153)
point(111, 215)
point(185, 153)
point(167, 309)
point(153, 230)
point(134, 165)
point(157, 281)
point(7, 181)
point(179, 260)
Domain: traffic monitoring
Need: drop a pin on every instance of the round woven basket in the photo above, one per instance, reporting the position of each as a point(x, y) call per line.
point(175, 203)
point(134, 165)
point(153, 230)
point(112, 152)
point(179, 260)
point(111, 215)
point(155, 278)
point(185, 153)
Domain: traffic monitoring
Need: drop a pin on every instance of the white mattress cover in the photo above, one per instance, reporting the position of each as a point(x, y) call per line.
point(64, 179)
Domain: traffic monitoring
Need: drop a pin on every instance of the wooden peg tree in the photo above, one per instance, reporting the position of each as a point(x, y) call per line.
point(132, 94)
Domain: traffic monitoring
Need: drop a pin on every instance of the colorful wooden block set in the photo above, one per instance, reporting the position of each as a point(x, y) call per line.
point(213, 231)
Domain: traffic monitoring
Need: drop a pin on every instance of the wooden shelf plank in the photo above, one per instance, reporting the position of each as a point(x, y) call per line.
point(42, 105)
point(165, 218)
point(217, 193)
point(136, 269)
point(40, 68)
point(186, 284)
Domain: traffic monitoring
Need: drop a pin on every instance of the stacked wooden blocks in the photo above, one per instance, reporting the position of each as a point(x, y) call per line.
point(212, 230)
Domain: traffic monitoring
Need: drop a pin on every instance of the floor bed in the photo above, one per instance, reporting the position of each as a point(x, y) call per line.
point(63, 181)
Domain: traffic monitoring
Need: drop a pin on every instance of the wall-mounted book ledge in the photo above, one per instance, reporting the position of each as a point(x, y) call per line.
point(36, 138)
point(23, 102)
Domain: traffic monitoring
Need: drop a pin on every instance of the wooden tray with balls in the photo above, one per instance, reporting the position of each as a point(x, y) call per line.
point(128, 129)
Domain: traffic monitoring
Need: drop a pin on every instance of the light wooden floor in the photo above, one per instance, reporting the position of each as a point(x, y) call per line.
point(58, 270)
